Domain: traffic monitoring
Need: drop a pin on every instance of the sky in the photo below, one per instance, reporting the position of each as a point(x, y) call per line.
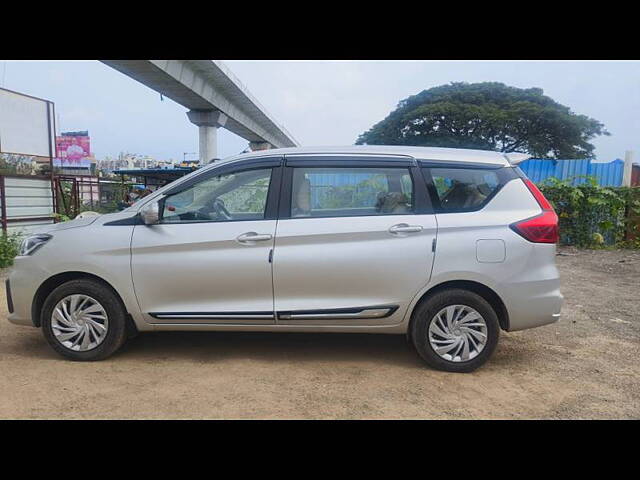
point(319, 102)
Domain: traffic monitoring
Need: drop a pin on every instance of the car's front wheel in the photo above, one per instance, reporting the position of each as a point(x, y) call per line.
point(455, 330)
point(84, 320)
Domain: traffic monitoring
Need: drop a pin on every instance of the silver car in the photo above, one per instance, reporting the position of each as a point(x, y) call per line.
point(446, 246)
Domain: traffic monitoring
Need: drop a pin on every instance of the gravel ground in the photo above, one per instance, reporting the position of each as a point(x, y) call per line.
point(584, 366)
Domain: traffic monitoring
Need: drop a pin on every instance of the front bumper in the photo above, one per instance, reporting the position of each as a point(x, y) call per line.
point(7, 285)
point(23, 282)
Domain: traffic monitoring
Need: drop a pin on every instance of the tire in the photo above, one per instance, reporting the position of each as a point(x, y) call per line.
point(105, 343)
point(466, 302)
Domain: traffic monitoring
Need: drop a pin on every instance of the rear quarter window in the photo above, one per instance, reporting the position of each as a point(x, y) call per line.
point(465, 189)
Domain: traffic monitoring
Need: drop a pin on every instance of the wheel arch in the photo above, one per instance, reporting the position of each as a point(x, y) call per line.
point(53, 282)
point(479, 288)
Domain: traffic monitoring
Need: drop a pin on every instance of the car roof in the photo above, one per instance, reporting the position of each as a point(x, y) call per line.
point(419, 153)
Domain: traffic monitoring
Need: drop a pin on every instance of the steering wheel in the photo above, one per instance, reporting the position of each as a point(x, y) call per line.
point(199, 215)
point(218, 207)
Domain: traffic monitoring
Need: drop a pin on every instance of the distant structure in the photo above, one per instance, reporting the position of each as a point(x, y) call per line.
point(215, 98)
point(132, 161)
point(73, 153)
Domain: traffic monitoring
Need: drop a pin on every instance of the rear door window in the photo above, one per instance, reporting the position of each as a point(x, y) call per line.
point(343, 192)
point(463, 189)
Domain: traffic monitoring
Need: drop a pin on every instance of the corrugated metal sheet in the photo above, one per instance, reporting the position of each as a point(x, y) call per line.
point(26, 228)
point(28, 202)
point(608, 174)
point(635, 175)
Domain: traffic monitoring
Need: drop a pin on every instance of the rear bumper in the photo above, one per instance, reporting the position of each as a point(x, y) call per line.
point(531, 291)
point(533, 304)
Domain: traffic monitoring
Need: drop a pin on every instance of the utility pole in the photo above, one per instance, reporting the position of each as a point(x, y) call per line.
point(626, 173)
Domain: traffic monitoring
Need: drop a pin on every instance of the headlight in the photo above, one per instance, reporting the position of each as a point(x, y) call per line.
point(33, 242)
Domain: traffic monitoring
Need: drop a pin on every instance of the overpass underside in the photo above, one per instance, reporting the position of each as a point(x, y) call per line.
point(215, 98)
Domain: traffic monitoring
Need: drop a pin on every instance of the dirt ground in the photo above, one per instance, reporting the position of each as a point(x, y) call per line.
point(585, 366)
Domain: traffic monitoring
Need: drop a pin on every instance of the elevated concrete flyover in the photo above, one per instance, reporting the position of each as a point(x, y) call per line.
point(215, 98)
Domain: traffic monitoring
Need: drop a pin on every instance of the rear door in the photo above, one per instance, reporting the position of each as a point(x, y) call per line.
point(354, 241)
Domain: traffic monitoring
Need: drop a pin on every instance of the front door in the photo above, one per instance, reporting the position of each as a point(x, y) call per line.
point(356, 246)
point(208, 260)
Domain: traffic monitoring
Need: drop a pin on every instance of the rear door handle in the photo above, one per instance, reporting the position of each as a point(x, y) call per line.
point(405, 228)
point(251, 237)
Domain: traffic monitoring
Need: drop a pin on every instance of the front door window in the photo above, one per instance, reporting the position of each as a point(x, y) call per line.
point(223, 198)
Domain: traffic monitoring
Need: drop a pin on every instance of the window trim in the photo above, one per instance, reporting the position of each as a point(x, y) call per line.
point(232, 167)
point(346, 161)
point(421, 200)
point(504, 174)
point(463, 165)
point(273, 197)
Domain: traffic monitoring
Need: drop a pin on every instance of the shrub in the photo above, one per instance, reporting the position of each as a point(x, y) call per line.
point(591, 215)
point(61, 217)
point(9, 248)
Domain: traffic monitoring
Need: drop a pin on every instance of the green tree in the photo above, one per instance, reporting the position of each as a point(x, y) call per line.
point(487, 116)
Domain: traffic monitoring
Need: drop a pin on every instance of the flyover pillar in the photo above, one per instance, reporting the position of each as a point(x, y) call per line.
point(208, 122)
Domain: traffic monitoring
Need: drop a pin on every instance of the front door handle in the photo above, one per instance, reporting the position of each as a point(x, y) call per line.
point(251, 237)
point(405, 228)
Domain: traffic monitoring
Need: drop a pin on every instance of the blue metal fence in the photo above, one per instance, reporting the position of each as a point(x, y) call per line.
point(608, 174)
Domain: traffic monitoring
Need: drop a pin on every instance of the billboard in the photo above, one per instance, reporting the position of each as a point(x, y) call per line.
point(73, 150)
point(26, 125)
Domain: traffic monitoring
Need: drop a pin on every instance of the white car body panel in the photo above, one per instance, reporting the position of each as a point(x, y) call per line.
point(201, 267)
point(332, 263)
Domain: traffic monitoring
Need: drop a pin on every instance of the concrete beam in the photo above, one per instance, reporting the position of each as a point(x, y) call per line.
point(209, 85)
point(255, 146)
point(208, 118)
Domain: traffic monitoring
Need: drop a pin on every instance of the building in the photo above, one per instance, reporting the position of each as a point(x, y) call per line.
point(131, 161)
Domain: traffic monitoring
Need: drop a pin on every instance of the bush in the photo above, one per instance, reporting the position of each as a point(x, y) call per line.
point(591, 215)
point(9, 248)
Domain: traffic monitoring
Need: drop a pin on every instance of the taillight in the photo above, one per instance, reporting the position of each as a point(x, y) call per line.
point(533, 188)
point(542, 228)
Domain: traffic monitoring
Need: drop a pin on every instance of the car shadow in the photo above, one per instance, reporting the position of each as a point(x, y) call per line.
point(276, 347)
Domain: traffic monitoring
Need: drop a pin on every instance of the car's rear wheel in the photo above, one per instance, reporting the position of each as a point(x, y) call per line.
point(455, 330)
point(84, 320)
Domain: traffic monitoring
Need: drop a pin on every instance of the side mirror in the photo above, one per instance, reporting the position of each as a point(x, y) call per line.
point(150, 213)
